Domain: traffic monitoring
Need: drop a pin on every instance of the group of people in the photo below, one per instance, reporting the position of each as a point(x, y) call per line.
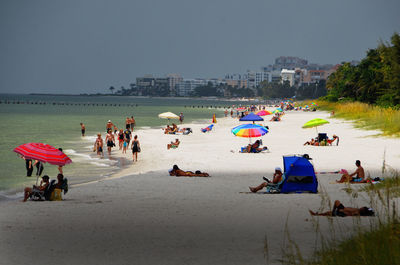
point(338, 209)
point(45, 189)
point(124, 139)
point(324, 142)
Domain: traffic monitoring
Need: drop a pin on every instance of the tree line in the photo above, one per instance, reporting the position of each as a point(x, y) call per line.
point(375, 80)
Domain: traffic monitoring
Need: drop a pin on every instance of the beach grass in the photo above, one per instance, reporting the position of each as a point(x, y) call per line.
point(365, 116)
point(376, 243)
point(379, 246)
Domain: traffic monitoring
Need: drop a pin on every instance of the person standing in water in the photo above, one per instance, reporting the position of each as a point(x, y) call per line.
point(83, 129)
point(133, 123)
point(110, 140)
point(29, 167)
point(181, 118)
point(98, 145)
point(135, 147)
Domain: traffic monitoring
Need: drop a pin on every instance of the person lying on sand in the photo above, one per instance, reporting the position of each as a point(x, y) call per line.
point(359, 173)
point(176, 171)
point(277, 177)
point(340, 210)
point(173, 144)
point(311, 142)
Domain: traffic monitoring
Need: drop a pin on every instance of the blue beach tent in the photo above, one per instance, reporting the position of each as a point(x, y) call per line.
point(299, 175)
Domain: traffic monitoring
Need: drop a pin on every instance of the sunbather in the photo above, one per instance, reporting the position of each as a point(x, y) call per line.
point(44, 183)
point(311, 142)
point(340, 210)
point(167, 129)
point(254, 148)
point(173, 144)
point(275, 118)
point(176, 171)
point(334, 138)
point(359, 173)
point(277, 177)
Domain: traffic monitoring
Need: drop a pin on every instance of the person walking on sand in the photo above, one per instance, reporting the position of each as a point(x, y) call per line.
point(110, 140)
point(83, 129)
point(181, 118)
point(359, 173)
point(98, 145)
point(135, 147)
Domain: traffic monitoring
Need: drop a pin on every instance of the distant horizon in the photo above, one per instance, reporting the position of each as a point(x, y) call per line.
point(88, 46)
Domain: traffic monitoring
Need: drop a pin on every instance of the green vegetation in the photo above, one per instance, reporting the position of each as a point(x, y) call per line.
point(366, 116)
point(284, 90)
point(376, 80)
point(379, 246)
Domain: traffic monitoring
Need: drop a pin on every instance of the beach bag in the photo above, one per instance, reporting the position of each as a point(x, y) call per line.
point(138, 149)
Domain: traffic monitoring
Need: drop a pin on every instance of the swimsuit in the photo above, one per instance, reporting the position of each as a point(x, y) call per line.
point(135, 148)
point(337, 211)
point(110, 143)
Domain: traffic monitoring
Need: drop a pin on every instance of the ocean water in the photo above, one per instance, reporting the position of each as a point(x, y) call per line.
point(55, 120)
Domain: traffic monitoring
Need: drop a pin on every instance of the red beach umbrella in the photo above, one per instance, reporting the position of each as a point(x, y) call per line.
point(44, 153)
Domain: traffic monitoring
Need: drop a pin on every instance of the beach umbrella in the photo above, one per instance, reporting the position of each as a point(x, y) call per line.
point(315, 123)
point(241, 109)
point(44, 153)
point(168, 115)
point(263, 113)
point(249, 130)
point(251, 117)
point(279, 109)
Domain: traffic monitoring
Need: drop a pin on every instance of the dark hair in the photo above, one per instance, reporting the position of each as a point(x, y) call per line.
point(60, 149)
point(135, 137)
point(358, 162)
point(365, 211)
point(45, 177)
point(175, 167)
point(60, 176)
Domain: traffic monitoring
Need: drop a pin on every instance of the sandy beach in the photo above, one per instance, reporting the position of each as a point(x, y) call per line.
point(144, 216)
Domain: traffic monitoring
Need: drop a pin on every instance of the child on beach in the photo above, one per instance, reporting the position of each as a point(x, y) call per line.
point(124, 147)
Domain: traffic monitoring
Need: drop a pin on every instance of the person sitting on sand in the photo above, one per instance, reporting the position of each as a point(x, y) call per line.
point(174, 128)
point(277, 177)
point(275, 118)
point(44, 183)
point(254, 148)
point(334, 138)
point(340, 210)
point(359, 173)
point(176, 171)
point(167, 129)
point(173, 144)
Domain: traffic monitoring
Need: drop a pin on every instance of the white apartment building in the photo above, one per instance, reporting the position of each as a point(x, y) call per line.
point(288, 75)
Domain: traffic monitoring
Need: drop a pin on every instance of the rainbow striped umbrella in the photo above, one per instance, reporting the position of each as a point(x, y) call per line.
point(44, 153)
point(249, 130)
point(263, 113)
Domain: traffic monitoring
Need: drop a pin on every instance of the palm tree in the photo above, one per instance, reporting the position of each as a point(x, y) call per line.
point(112, 89)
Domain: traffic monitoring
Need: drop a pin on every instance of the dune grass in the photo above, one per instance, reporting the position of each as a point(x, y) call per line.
point(366, 116)
point(379, 246)
point(376, 243)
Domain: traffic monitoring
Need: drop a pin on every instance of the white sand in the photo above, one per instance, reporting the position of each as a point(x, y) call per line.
point(144, 216)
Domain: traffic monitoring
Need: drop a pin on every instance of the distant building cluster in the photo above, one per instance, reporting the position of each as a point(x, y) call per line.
point(294, 70)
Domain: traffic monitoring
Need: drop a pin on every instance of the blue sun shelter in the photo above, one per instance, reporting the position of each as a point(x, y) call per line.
point(299, 175)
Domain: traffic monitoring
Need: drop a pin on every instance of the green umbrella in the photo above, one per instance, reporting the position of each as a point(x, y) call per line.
point(315, 123)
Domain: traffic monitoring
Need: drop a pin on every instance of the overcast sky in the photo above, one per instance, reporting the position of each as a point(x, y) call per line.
point(78, 46)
